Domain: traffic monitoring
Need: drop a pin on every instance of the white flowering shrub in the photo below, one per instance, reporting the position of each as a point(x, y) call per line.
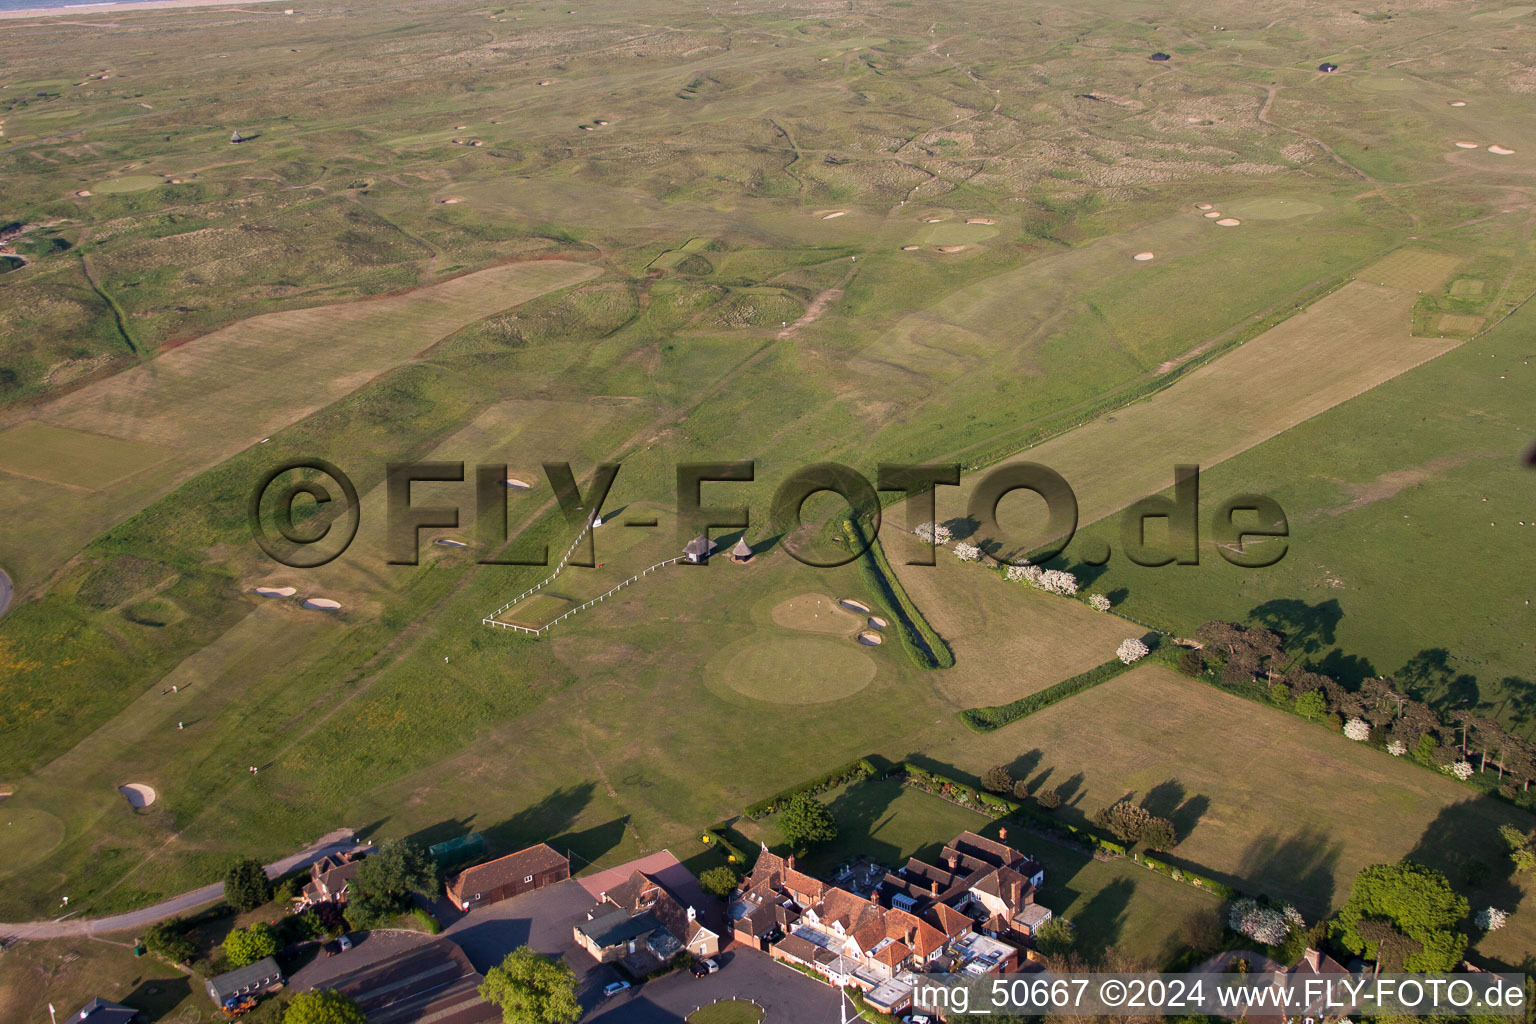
point(1058, 582)
point(1019, 573)
point(934, 533)
point(967, 552)
point(1262, 924)
point(1357, 729)
point(1099, 603)
point(1397, 748)
point(1461, 769)
point(1132, 651)
point(1492, 919)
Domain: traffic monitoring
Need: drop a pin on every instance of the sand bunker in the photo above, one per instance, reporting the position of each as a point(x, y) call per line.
point(1203, 206)
point(1213, 215)
point(322, 604)
point(953, 248)
point(445, 542)
point(910, 248)
point(934, 220)
point(276, 591)
point(516, 484)
point(834, 213)
point(545, 82)
point(870, 638)
point(1142, 256)
point(138, 794)
point(980, 220)
point(877, 622)
point(450, 200)
point(1458, 103)
point(854, 606)
point(83, 193)
point(1500, 150)
point(1466, 145)
point(1228, 222)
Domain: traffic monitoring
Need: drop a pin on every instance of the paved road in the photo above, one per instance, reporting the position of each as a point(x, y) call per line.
point(335, 842)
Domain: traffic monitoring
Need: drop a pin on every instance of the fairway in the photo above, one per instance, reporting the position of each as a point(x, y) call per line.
point(73, 458)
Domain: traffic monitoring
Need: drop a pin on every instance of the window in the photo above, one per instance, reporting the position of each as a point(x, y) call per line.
point(527, 879)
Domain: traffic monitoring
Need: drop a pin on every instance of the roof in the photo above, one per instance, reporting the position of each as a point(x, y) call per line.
point(1032, 915)
point(950, 921)
point(617, 927)
point(700, 545)
point(99, 1011)
point(797, 948)
point(742, 548)
point(261, 972)
point(432, 982)
point(513, 868)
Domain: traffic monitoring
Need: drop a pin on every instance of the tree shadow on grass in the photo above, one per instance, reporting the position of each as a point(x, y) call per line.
point(1347, 669)
point(1300, 868)
point(1021, 766)
point(1102, 919)
point(860, 810)
point(1307, 628)
point(591, 844)
point(1430, 677)
point(1168, 800)
point(442, 832)
point(157, 997)
point(1463, 842)
point(551, 816)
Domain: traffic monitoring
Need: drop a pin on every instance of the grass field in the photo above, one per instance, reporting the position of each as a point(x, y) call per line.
point(617, 292)
point(1261, 798)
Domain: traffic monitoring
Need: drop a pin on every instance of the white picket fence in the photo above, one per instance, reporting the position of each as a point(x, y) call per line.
point(495, 622)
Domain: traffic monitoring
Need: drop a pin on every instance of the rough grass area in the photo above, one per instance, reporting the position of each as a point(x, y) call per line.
point(73, 459)
point(729, 1011)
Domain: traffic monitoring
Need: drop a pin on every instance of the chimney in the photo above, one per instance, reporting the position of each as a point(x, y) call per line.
point(911, 936)
point(1018, 884)
point(790, 860)
point(692, 916)
point(934, 888)
point(1002, 835)
point(1314, 959)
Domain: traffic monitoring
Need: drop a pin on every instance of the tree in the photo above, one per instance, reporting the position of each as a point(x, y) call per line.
point(1125, 821)
point(997, 779)
point(1312, 705)
point(324, 1006)
point(934, 533)
point(247, 886)
point(805, 820)
point(967, 552)
point(1520, 847)
point(1357, 729)
point(719, 881)
point(1021, 790)
point(1050, 799)
point(1417, 901)
point(254, 943)
point(532, 988)
point(1131, 651)
point(1056, 937)
point(385, 881)
point(1098, 602)
point(1159, 834)
point(1492, 919)
point(1269, 925)
point(169, 940)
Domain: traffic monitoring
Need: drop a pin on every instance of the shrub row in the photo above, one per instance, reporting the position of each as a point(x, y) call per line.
point(921, 640)
point(987, 719)
point(853, 770)
point(715, 839)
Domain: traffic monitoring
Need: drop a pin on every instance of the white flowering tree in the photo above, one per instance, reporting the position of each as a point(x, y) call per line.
point(1132, 651)
point(1099, 603)
point(1357, 729)
point(1492, 919)
point(1058, 582)
point(1397, 748)
point(934, 533)
point(1018, 573)
point(1461, 769)
point(967, 552)
point(1268, 925)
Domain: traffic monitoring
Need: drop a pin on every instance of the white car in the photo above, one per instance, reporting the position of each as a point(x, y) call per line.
point(613, 988)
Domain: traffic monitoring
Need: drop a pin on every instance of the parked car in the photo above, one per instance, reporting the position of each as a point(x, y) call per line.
point(345, 942)
point(613, 988)
point(703, 967)
point(917, 1018)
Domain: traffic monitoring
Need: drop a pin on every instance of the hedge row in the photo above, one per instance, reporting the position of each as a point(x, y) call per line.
point(850, 772)
point(715, 838)
point(987, 719)
point(921, 640)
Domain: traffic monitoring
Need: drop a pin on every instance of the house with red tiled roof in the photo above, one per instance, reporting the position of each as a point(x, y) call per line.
point(505, 877)
point(644, 923)
point(979, 883)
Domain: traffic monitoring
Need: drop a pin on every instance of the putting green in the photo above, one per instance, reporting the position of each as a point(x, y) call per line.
point(794, 670)
point(27, 835)
point(127, 183)
point(815, 613)
point(956, 233)
point(1270, 208)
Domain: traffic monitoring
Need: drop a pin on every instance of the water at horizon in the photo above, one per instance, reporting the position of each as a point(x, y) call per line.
point(32, 5)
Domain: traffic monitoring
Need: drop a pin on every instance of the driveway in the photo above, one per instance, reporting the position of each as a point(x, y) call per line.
point(136, 920)
point(545, 918)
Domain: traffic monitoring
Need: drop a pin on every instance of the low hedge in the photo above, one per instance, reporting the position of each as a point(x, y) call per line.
point(850, 772)
point(988, 719)
point(920, 639)
point(715, 839)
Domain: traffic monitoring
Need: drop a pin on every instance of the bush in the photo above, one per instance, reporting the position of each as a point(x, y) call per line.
point(921, 640)
point(1050, 799)
point(254, 943)
point(429, 924)
point(1021, 790)
point(988, 719)
point(1191, 662)
point(168, 939)
point(997, 779)
point(719, 881)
